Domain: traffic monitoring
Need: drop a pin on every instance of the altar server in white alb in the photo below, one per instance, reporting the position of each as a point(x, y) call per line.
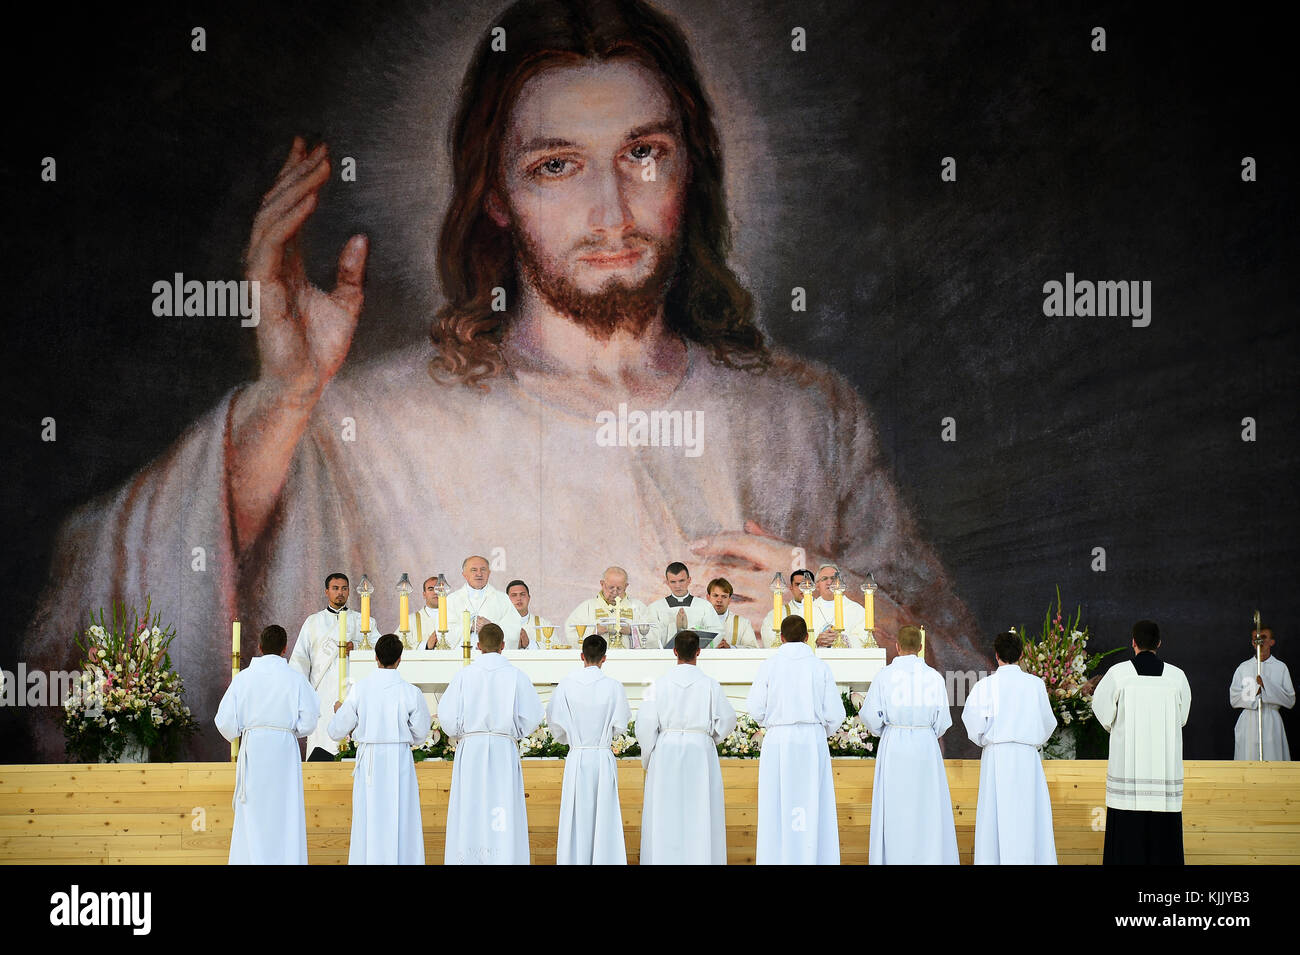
point(1144, 703)
point(385, 716)
point(732, 629)
point(587, 710)
point(911, 808)
point(679, 609)
point(600, 608)
point(488, 707)
point(523, 629)
point(769, 633)
point(1272, 682)
point(680, 723)
point(316, 656)
point(1009, 715)
point(794, 697)
point(484, 602)
point(268, 708)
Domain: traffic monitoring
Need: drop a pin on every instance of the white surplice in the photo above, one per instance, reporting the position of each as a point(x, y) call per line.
point(271, 706)
point(487, 603)
point(316, 656)
point(664, 617)
point(595, 608)
point(855, 620)
point(1243, 694)
point(386, 716)
point(795, 698)
point(488, 707)
point(683, 816)
point(1145, 716)
point(911, 807)
point(530, 623)
point(587, 710)
point(1009, 715)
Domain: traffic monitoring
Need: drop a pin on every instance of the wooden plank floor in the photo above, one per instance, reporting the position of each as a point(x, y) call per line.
point(1233, 813)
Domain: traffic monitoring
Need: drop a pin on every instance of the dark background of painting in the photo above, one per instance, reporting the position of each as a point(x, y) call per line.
point(1073, 433)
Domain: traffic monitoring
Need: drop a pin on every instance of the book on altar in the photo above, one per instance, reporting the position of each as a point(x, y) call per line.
point(706, 639)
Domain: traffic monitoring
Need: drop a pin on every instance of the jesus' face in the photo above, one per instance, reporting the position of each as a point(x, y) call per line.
point(595, 171)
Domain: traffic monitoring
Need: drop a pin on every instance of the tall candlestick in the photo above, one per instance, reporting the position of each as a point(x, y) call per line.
point(1259, 690)
point(839, 610)
point(807, 611)
point(778, 611)
point(234, 672)
point(343, 650)
point(404, 611)
point(365, 612)
point(464, 621)
point(870, 606)
point(442, 614)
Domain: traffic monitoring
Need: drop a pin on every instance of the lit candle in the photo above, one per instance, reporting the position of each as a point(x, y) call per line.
point(807, 610)
point(778, 610)
point(365, 612)
point(343, 650)
point(464, 626)
point(234, 647)
point(922, 643)
point(442, 613)
point(403, 610)
point(839, 610)
point(870, 605)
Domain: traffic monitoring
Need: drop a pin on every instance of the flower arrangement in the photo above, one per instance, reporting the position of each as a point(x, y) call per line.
point(745, 741)
point(540, 744)
point(128, 698)
point(625, 746)
point(1059, 656)
point(853, 738)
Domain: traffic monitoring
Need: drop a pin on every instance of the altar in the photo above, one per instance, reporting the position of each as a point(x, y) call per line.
point(431, 670)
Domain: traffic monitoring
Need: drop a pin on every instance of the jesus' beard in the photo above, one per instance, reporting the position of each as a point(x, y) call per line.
point(614, 306)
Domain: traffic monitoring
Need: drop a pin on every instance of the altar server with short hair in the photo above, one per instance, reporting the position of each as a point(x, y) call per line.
point(684, 717)
point(386, 716)
point(488, 707)
point(911, 808)
point(1271, 681)
point(1009, 715)
point(587, 710)
point(795, 698)
point(268, 708)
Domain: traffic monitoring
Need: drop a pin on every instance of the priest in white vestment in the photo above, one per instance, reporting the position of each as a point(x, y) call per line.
point(609, 603)
point(911, 807)
point(523, 629)
point(769, 632)
point(548, 405)
point(385, 716)
point(795, 699)
point(822, 631)
point(587, 710)
point(679, 609)
point(1144, 704)
point(268, 708)
point(484, 603)
point(1008, 715)
point(487, 708)
point(316, 656)
point(1270, 681)
point(680, 722)
point(732, 629)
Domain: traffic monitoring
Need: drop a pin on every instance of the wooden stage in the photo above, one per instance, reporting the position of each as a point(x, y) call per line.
point(168, 813)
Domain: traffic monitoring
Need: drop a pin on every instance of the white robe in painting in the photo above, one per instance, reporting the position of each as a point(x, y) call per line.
point(385, 716)
point(488, 707)
point(587, 710)
point(683, 815)
point(487, 603)
point(1009, 715)
point(795, 698)
point(1145, 716)
point(1243, 694)
point(270, 706)
point(911, 807)
point(316, 656)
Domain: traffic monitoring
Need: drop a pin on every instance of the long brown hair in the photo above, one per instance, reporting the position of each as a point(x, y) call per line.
point(705, 301)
